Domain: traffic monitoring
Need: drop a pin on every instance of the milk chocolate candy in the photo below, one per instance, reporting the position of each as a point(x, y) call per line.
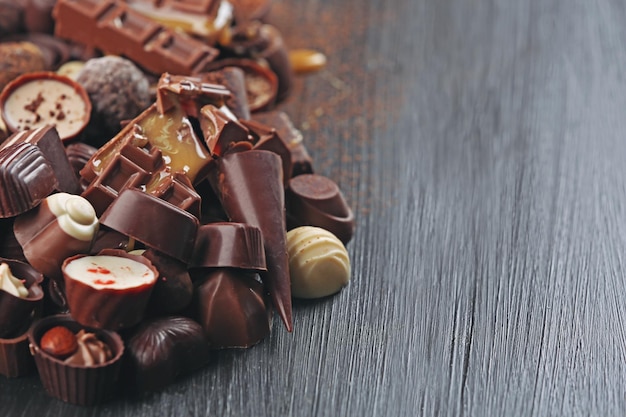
point(154, 222)
point(63, 225)
point(161, 141)
point(220, 131)
point(47, 139)
point(76, 383)
point(189, 92)
point(241, 176)
point(231, 308)
point(109, 290)
point(226, 244)
point(300, 159)
point(117, 29)
point(162, 349)
point(26, 178)
point(315, 200)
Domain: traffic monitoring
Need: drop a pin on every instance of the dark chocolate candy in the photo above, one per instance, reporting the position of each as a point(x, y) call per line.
point(15, 357)
point(117, 29)
point(231, 307)
point(9, 246)
point(47, 139)
point(266, 138)
point(292, 137)
point(16, 313)
point(162, 349)
point(154, 222)
point(315, 200)
point(102, 303)
point(11, 16)
point(82, 385)
point(26, 178)
point(225, 244)
point(173, 290)
point(250, 186)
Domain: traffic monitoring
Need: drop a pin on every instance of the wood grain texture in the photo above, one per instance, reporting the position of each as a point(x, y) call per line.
point(480, 144)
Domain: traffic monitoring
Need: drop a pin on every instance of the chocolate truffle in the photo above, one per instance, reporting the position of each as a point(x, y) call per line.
point(19, 58)
point(118, 91)
point(319, 264)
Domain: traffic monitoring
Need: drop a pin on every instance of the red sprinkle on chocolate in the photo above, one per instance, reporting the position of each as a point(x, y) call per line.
point(104, 281)
point(99, 270)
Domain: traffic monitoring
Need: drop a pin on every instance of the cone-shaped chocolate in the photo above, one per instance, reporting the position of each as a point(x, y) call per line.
point(250, 185)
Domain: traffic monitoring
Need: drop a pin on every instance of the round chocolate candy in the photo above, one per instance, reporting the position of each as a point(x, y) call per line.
point(42, 98)
point(109, 290)
point(319, 264)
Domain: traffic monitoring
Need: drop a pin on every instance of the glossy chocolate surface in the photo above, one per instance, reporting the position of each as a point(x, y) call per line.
point(225, 244)
point(47, 139)
point(231, 308)
point(154, 222)
point(26, 178)
point(315, 200)
point(241, 176)
point(160, 350)
point(117, 29)
point(17, 312)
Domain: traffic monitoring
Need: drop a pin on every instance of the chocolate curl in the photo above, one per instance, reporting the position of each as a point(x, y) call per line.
point(250, 186)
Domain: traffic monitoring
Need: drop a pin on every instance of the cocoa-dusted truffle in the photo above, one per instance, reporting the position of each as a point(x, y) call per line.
point(19, 58)
point(118, 91)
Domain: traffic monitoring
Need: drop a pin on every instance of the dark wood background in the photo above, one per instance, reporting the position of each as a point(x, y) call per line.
point(481, 145)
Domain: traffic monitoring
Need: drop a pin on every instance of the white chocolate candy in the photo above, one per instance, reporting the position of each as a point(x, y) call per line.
point(10, 283)
point(113, 272)
point(76, 215)
point(319, 264)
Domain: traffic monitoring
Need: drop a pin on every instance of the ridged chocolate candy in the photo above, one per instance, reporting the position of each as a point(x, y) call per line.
point(26, 178)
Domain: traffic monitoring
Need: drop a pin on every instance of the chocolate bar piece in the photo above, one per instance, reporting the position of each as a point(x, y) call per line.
point(189, 92)
point(152, 153)
point(117, 29)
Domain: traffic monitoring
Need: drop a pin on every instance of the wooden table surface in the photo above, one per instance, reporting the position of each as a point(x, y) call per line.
point(481, 146)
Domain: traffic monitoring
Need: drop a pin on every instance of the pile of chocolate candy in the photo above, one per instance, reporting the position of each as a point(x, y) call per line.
point(155, 204)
